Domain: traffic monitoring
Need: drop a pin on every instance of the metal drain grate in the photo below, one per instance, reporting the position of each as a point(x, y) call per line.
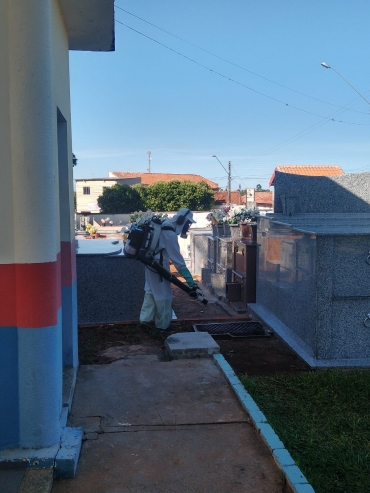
point(234, 329)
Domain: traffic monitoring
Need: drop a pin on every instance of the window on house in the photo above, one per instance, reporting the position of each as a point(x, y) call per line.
point(86, 190)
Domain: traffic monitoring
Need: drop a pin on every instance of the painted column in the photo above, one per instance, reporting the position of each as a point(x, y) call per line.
point(30, 278)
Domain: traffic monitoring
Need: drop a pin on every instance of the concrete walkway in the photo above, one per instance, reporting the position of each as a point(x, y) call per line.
point(160, 426)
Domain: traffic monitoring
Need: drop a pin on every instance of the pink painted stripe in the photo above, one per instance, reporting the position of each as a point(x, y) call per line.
point(68, 262)
point(30, 294)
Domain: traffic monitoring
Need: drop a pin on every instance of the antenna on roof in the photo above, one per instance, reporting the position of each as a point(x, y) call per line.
point(149, 159)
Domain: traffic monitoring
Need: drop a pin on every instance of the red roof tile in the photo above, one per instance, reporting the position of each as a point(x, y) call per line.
point(263, 198)
point(150, 178)
point(222, 198)
point(308, 170)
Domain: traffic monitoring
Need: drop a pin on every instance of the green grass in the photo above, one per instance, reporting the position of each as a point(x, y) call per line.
point(323, 419)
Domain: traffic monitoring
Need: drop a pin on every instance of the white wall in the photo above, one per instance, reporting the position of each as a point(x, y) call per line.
point(90, 202)
point(6, 189)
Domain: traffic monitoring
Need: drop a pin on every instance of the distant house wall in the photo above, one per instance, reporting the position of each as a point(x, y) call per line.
point(120, 220)
point(89, 202)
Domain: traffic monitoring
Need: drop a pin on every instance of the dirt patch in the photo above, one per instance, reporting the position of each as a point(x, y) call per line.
point(252, 356)
point(188, 309)
point(96, 343)
point(261, 356)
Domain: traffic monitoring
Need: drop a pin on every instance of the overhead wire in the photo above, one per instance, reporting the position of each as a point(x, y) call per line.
point(241, 84)
point(299, 135)
point(282, 144)
point(324, 119)
point(234, 64)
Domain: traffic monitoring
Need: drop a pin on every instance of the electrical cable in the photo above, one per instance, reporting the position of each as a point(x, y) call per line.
point(241, 84)
point(299, 135)
point(292, 139)
point(235, 65)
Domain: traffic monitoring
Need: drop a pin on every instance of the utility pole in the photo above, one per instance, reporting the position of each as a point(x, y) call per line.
point(228, 171)
point(229, 183)
point(149, 159)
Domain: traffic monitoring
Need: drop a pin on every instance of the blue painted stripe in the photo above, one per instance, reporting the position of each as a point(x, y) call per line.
point(40, 385)
point(70, 325)
point(9, 410)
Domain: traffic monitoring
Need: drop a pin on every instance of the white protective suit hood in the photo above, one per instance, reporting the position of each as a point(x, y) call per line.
point(181, 221)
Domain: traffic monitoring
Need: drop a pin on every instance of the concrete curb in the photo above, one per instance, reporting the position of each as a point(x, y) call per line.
point(282, 457)
point(62, 457)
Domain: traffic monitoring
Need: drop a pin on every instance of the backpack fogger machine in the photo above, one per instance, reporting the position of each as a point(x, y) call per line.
point(140, 245)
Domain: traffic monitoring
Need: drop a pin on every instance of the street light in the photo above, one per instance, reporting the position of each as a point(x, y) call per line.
point(326, 65)
point(228, 171)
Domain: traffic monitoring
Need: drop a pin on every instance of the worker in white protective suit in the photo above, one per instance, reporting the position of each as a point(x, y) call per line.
point(157, 302)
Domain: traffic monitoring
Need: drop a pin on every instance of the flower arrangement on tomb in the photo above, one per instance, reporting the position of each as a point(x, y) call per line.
point(217, 216)
point(239, 214)
point(90, 229)
point(232, 215)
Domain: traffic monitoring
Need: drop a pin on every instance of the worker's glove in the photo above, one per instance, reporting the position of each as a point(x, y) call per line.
point(187, 276)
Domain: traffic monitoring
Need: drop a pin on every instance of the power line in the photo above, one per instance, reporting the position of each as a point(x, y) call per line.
point(299, 135)
point(234, 64)
point(291, 139)
point(241, 84)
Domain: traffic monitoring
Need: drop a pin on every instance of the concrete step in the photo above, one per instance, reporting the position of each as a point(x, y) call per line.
point(191, 345)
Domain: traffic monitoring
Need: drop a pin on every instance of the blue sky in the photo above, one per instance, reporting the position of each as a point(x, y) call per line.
point(263, 100)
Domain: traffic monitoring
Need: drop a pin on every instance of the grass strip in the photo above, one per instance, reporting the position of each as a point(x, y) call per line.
point(323, 419)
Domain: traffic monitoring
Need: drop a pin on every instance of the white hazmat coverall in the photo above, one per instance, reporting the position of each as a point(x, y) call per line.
point(158, 296)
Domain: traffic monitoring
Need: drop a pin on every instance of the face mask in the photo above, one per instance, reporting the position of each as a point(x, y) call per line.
point(185, 229)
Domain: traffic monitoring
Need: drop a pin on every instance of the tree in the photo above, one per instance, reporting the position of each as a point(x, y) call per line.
point(175, 194)
point(74, 160)
point(142, 190)
point(201, 196)
point(120, 199)
point(161, 196)
point(260, 189)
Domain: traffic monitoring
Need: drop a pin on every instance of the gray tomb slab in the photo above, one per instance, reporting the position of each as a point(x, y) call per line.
point(313, 285)
point(199, 249)
point(206, 275)
point(110, 287)
point(191, 345)
point(218, 282)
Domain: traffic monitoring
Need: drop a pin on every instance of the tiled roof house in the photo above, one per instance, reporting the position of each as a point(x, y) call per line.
point(222, 198)
point(150, 178)
point(263, 199)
